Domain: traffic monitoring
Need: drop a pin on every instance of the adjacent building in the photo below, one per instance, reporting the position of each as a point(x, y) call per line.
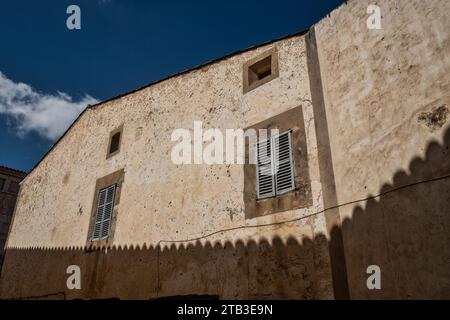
point(9, 188)
point(361, 178)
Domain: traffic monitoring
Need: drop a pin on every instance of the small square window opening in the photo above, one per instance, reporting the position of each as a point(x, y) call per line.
point(260, 70)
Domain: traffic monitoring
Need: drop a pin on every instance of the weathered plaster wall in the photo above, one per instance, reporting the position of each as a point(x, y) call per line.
point(387, 95)
point(163, 204)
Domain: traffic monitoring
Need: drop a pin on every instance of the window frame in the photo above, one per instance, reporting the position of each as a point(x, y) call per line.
point(115, 178)
point(301, 197)
point(13, 184)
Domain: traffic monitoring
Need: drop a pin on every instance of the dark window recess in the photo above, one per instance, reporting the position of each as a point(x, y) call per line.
point(105, 207)
point(115, 143)
point(13, 187)
point(260, 70)
point(2, 183)
point(275, 167)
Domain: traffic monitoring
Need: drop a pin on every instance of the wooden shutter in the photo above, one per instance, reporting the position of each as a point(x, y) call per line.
point(103, 216)
point(283, 164)
point(274, 166)
point(265, 183)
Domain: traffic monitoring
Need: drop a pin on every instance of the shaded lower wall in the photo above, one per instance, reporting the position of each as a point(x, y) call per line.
point(267, 269)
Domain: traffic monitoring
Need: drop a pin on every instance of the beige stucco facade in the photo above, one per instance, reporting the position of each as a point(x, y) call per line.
point(365, 96)
point(160, 200)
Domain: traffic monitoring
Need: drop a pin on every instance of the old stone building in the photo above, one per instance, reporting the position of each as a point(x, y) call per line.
point(9, 188)
point(364, 114)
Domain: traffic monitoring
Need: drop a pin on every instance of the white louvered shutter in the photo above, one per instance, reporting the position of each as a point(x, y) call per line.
point(275, 166)
point(105, 208)
point(265, 183)
point(283, 164)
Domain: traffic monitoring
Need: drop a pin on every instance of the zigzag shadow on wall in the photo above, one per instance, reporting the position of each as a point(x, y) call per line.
point(264, 269)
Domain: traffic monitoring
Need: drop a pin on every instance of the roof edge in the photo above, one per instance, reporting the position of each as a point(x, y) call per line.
point(13, 172)
point(291, 35)
point(234, 53)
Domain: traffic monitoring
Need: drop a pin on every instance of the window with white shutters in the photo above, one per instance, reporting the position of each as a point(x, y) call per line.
point(275, 169)
point(105, 206)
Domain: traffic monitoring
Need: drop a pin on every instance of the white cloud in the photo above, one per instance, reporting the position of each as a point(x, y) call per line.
point(47, 114)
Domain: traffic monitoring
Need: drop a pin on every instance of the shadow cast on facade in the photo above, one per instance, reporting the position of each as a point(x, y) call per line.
point(405, 230)
point(264, 269)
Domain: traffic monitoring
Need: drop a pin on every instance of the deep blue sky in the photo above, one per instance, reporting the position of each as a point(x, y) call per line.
point(126, 44)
